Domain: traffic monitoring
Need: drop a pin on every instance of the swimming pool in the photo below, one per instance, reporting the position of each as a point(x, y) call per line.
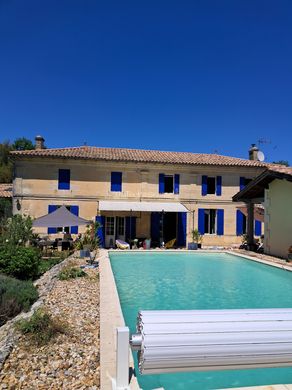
point(187, 280)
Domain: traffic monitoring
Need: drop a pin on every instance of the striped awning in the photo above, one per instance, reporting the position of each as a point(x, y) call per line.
point(106, 205)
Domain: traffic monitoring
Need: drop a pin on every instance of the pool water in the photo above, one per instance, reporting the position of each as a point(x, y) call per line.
point(168, 280)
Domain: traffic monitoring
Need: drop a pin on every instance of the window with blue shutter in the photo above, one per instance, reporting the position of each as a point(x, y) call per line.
point(176, 184)
point(220, 222)
point(101, 229)
point(257, 228)
point(201, 221)
point(116, 181)
point(74, 210)
point(51, 208)
point(161, 183)
point(204, 185)
point(64, 179)
point(219, 186)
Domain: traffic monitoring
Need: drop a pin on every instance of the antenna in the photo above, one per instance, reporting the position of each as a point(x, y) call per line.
point(261, 156)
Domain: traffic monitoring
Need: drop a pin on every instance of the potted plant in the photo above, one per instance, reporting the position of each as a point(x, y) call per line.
point(197, 240)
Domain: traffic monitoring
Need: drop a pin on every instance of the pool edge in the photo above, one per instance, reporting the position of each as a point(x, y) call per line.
point(111, 317)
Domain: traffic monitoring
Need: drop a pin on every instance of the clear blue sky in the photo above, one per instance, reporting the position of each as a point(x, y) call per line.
point(179, 75)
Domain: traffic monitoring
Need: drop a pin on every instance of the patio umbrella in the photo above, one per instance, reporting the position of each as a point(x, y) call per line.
point(60, 218)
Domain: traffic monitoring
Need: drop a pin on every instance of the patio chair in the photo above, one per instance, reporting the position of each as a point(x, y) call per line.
point(122, 244)
point(170, 244)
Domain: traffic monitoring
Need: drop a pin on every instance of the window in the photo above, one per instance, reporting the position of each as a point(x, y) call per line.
point(64, 179)
point(74, 229)
point(110, 226)
point(210, 221)
point(211, 185)
point(116, 181)
point(243, 182)
point(168, 184)
point(120, 226)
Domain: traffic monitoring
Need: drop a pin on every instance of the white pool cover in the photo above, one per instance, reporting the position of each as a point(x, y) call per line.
point(206, 340)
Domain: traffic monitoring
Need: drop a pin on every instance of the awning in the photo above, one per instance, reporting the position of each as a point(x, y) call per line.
point(60, 218)
point(105, 205)
point(259, 212)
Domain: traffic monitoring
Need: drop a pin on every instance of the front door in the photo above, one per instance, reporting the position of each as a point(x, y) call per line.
point(120, 228)
point(110, 232)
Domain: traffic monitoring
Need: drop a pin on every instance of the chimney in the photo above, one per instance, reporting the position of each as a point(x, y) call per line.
point(39, 142)
point(253, 152)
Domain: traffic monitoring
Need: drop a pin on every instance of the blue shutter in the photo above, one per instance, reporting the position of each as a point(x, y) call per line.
point(64, 179)
point(201, 221)
point(257, 228)
point(219, 186)
point(74, 210)
point(241, 183)
point(155, 227)
point(220, 222)
point(52, 208)
point(116, 181)
point(176, 184)
point(101, 229)
point(161, 183)
point(204, 186)
point(239, 223)
point(182, 229)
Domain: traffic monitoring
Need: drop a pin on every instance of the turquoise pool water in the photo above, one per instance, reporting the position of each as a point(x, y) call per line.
point(161, 281)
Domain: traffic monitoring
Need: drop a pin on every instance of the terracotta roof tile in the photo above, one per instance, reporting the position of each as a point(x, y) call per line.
point(137, 155)
point(5, 190)
point(281, 169)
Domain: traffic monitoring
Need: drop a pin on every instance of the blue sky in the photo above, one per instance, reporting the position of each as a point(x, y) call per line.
point(199, 76)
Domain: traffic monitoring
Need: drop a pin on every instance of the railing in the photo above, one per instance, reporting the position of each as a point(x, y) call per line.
point(206, 340)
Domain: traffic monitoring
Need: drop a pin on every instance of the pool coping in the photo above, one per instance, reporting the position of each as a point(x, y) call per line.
point(111, 316)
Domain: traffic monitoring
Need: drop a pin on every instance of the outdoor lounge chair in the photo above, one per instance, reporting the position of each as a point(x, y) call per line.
point(170, 243)
point(122, 244)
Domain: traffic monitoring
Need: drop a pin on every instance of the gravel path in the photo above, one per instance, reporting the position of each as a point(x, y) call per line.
point(70, 361)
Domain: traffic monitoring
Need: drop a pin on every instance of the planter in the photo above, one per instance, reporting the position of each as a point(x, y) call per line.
point(192, 246)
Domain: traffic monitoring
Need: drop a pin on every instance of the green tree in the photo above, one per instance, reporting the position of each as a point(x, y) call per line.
point(282, 162)
point(5, 210)
point(22, 144)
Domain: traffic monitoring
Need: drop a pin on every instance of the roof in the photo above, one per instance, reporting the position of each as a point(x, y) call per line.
point(136, 155)
point(5, 190)
point(256, 188)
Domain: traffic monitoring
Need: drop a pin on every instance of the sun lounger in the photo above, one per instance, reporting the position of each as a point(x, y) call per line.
point(122, 244)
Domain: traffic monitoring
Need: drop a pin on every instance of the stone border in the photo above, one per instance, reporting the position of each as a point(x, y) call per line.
point(111, 314)
point(111, 317)
point(8, 335)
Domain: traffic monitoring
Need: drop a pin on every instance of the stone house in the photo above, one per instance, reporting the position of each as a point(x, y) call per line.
point(136, 193)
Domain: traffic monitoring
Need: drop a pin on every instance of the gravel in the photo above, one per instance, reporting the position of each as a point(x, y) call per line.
point(70, 360)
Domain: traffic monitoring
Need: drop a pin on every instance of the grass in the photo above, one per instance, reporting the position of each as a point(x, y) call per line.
point(15, 296)
point(41, 327)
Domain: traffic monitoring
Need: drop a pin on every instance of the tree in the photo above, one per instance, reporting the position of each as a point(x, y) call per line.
point(6, 165)
point(22, 144)
point(282, 162)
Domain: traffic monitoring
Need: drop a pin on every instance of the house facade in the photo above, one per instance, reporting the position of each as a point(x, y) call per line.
point(273, 188)
point(136, 193)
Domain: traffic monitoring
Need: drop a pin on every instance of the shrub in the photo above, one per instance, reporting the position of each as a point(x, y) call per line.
point(21, 262)
point(70, 272)
point(15, 296)
point(17, 230)
point(46, 264)
point(41, 327)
